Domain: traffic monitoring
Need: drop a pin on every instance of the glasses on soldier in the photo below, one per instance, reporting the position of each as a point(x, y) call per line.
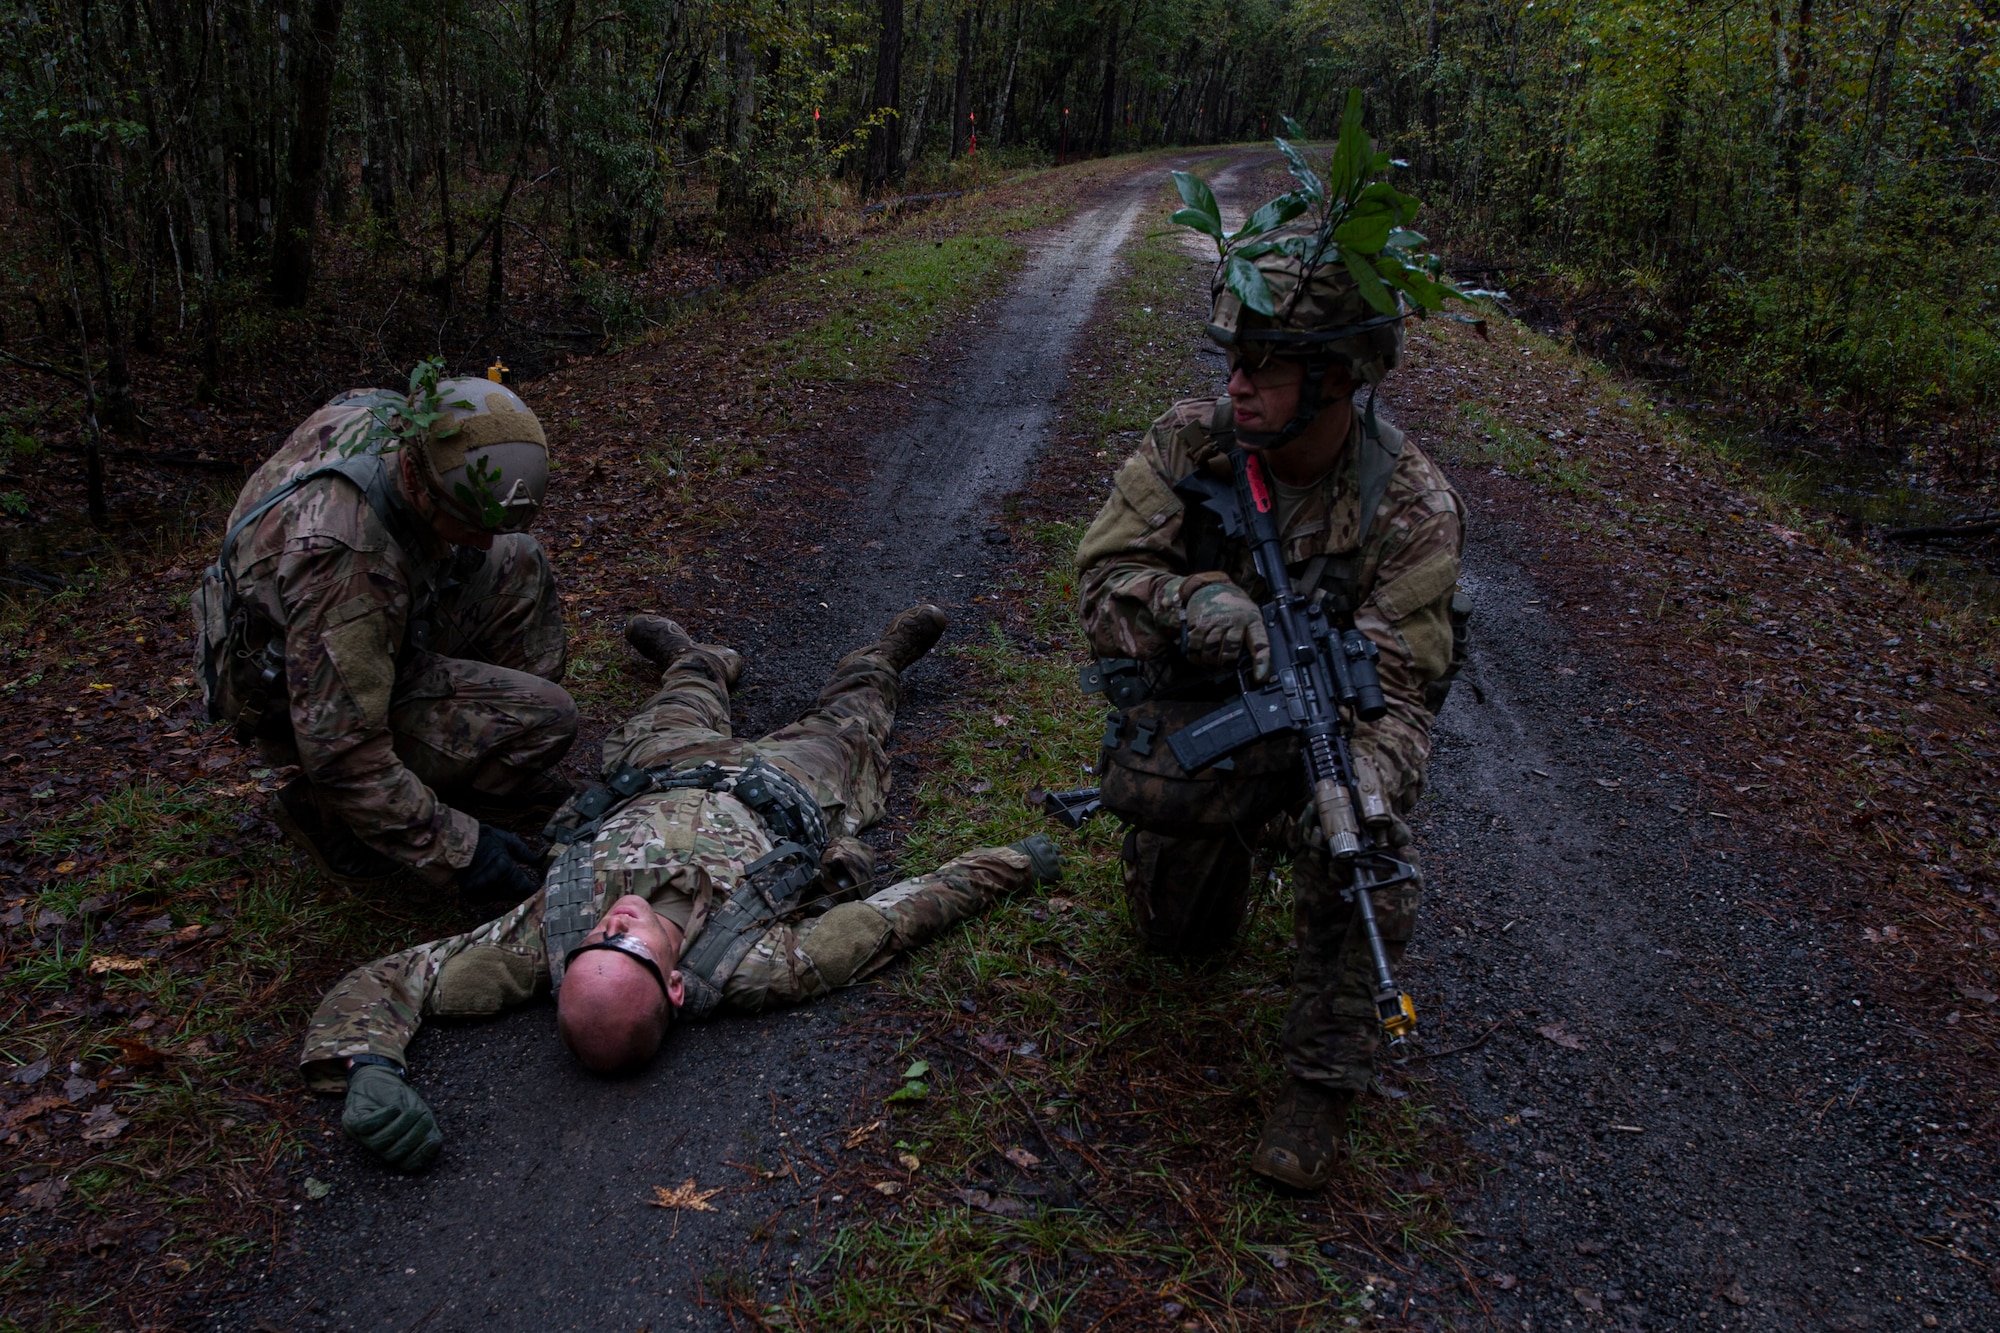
point(632, 947)
point(1259, 362)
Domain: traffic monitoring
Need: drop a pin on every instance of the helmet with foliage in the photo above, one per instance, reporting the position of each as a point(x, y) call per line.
point(1326, 323)
point(486, 457)
point(1331, 289)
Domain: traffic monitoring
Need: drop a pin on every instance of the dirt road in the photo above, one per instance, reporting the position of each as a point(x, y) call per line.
point(1698, 1116)
point(539, 1214)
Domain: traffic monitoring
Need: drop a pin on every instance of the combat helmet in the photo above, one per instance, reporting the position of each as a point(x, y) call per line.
point(487, 457)
point(1324, 323)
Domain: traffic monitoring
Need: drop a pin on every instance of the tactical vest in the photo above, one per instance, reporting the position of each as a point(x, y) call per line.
point(775, 886)
point(239, 652)
point(1125, 682)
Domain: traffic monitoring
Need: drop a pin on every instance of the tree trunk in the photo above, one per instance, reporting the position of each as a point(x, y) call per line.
point(961, 98)
point(496, 290)
point(1881, 81)
point(378, 172)
point(885, 156)
point(1107, 103)
point(298, 203)
point(1431, 98)
point(1007, 86)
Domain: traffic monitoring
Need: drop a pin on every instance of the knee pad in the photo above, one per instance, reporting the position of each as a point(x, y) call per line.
point(843, 940)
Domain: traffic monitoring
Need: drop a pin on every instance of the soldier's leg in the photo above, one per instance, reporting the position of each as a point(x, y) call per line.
point(506, 611)
point(794, 963)
point(1187, 896)
point(839, 747)
point(690, 708)
point(1331, 1033)
point(472, 727)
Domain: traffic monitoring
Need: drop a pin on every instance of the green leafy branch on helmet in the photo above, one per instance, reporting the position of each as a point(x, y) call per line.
point(1359, 221)
point(388, 426)
point(480, 491)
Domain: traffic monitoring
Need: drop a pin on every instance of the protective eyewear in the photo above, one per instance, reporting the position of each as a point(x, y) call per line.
point(632, 948)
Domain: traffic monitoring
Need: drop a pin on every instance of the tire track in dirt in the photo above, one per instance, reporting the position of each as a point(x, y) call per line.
point(538, 1215)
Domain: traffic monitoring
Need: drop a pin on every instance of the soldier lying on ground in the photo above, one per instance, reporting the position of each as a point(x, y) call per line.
point(379, 617)
point(676, 888)
point(1368, 523)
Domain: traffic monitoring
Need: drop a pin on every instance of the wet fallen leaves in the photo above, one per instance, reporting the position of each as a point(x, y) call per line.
point(685, 1196)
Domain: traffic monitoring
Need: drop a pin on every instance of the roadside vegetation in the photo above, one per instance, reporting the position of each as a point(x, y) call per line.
point(1834, 699)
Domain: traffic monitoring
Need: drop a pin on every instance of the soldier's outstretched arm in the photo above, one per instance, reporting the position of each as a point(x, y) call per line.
point(377, 1008)
point(790, 964)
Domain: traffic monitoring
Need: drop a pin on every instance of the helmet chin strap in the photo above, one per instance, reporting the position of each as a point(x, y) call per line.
point(1310, 406)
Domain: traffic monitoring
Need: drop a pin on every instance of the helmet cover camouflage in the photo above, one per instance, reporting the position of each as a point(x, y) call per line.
point(1329, 320)
point(487, 456)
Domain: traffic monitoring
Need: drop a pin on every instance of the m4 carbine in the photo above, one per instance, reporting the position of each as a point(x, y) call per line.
point(1323, 679)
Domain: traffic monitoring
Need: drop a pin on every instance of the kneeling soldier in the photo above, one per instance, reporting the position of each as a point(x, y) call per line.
point(684, 884)
point(380, 617)
point(1172, 602)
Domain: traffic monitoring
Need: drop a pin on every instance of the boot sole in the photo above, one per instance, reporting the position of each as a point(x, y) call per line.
point(1289, 1175)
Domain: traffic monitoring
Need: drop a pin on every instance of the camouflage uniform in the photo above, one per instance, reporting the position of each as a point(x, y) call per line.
point(684, 851)
point(1190, 894)
point(391, 723)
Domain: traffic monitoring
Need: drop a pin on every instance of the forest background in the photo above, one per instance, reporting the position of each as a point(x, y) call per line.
point(247, 206)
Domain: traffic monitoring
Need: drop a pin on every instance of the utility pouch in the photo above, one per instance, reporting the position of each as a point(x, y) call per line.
point(213, 658)
point(1144, 785)
point(1437, 691)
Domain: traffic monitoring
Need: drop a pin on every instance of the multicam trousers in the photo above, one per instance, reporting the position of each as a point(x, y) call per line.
point(1189, 896)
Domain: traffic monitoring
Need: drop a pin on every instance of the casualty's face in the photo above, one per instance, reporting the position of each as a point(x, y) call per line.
point(634, 918)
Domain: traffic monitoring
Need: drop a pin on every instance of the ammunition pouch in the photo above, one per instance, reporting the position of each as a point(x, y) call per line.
point(1144, 785)
point(1437, 691)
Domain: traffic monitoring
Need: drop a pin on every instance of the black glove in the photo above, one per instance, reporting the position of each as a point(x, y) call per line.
point(499, 868)
point(1042, 855)
point(385, 1116)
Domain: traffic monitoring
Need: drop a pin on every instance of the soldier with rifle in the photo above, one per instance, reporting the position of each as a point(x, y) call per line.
point(1271, 589)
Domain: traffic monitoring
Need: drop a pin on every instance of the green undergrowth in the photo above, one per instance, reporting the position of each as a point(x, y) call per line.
point(172, 943)
point(1527, 455)
point(888, 297)
point(1087, 1109)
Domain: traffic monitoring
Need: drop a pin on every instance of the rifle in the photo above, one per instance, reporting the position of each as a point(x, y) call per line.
point(1323, 679)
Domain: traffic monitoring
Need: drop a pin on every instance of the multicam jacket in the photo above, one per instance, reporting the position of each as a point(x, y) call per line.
point(322, 567)
point(1400, 579)
point(684, 851)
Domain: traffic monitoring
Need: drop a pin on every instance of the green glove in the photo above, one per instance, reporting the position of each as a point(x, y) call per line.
point(1042, 855)
point(1220, 626)
point(385, 1116)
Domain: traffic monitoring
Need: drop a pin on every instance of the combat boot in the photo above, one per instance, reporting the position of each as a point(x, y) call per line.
point(329, 844)
point(663, 642)
point(911, 634)
point(1302, 1136)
